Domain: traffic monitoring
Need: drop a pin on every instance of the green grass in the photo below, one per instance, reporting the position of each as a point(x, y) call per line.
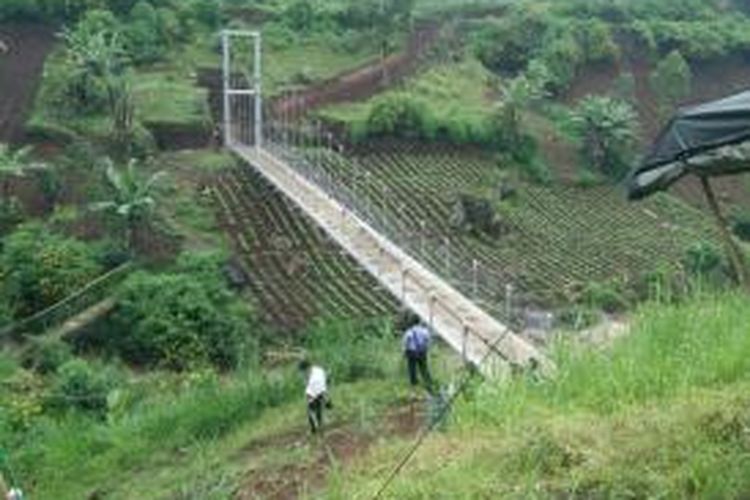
point(166, 98)
point(664, 413)
point(452, 92)
point(431, 8)
point(197, 435)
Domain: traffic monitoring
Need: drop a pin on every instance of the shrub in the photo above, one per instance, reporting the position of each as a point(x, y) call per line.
point(399, 114)
point(562, 56)
point(79, 385)
point(671, 81)
point(508, 45)
point(181, 319)
point(607, 127)
point(609, 297)
point(143, 34)
point(596, 41)
point(703, 258)
point(476, 216)
point(45, 356)
point(39, 268)
point(207, 12)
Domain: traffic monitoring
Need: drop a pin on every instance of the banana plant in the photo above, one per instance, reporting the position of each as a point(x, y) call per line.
point(133, 197)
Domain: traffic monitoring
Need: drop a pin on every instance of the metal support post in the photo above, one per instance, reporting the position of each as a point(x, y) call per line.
point(225, 43)
point(508, 301)
point(447, 246)
point(422, 237)
point(475, 279)
point(258, 95)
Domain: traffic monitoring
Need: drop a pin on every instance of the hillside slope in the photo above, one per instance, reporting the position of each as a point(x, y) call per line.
point(665, 413)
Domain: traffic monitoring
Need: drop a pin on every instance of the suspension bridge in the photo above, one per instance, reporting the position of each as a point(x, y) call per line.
point(280, 149)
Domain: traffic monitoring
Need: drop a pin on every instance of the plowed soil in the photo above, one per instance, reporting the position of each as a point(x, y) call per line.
point(23, 50)
point(340, 447)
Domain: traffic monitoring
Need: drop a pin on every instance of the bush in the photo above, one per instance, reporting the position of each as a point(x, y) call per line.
point(400, 114)
point(607, 128)
point(181, 319)
point(702, 259)
point(45, 356)
point(143, 34)
point(79, 385)
point(596, 41)
point(671, 82)
point(39, 268)
point(508, 45)
point(608, 297)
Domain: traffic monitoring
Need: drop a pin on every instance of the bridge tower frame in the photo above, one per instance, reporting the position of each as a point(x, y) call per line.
point(252, 89)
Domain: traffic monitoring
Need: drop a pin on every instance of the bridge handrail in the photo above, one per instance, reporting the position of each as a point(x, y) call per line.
point(50, 316)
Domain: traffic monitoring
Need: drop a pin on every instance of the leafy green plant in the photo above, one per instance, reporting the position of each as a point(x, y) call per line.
point(607, 128)
point(703, 258)
point(671, 82)
point(80, 385)
point(46, 355)
point(39, 268)
point(133, 200)
point(400, 114)
point(181, 319)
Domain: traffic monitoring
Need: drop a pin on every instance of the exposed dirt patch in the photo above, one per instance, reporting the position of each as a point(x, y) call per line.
point(368, 80)
point(339, 448)
point(23, 50)
point(176, 137)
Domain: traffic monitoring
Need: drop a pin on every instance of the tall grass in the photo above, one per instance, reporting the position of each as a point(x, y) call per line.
point(74, 455)
point(671, 350)
point(663, 413)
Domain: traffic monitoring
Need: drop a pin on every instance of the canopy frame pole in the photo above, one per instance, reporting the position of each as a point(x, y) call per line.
point(734, 251)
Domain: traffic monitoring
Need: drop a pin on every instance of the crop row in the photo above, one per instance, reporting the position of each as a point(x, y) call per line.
point(296, 273)
point(560, 239)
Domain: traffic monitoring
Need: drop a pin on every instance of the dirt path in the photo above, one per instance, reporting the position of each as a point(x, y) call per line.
point(341, 446)
point(23, 50)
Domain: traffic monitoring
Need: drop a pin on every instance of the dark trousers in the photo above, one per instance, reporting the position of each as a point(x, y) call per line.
point(315, 413)
point(417, 363)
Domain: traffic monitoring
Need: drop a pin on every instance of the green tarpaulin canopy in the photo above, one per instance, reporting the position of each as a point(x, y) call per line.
point(706, 140)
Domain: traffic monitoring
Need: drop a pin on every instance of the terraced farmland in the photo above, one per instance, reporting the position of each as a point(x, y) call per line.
point(296, 273)
point(560, 238)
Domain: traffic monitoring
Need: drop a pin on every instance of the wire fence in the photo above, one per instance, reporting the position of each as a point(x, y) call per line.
point(314, 154)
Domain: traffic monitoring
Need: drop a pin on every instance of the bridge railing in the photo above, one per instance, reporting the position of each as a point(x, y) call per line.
point(306, 152)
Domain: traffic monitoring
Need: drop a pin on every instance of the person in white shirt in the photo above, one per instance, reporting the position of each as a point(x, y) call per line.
point(316, 393)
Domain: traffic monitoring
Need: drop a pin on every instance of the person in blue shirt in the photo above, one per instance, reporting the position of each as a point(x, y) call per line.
point(416, 345)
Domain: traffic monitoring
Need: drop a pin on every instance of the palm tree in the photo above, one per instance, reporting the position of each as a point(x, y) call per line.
point(517, 95)
point(133, 200)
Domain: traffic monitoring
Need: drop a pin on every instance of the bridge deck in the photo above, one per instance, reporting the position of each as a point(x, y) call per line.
point(479, 337)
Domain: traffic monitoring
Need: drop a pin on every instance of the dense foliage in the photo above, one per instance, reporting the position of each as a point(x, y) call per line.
point(608, 129)
point(182, 318)
point(39, 268)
